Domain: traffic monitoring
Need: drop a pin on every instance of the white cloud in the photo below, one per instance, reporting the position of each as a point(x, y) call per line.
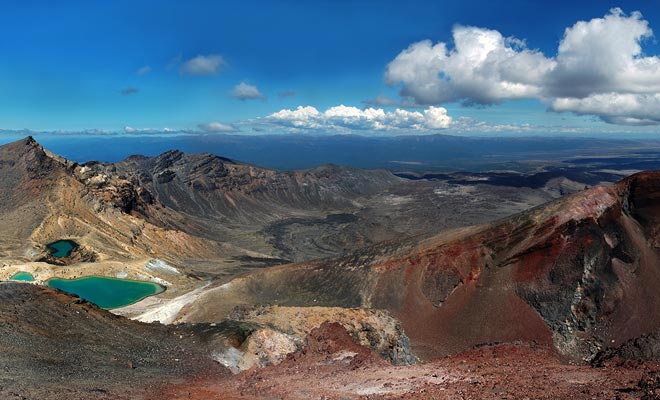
point(436, 118)
point(604, 55)
point(302, 117)
point(596, 61)
point(615, 108)
point(216, 127)
point(484, 68)
point(144, 70)
point(243, 91)
point(346, 118)
point(203, 65)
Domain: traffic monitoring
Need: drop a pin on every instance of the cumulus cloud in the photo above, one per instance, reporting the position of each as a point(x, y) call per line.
point(128, 91)
point(203, 65)
point(597, 61)
point(144, 70)
point(244, 91)
point(302, 117)
point(604, 55)
point(484, 68)
point(615, 108)
point(216, 127)
point(345, 118)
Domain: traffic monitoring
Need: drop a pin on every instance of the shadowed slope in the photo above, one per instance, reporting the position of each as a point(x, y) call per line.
point(57, 346)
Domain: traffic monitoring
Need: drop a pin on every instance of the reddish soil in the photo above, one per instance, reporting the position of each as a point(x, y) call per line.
point(332, 366)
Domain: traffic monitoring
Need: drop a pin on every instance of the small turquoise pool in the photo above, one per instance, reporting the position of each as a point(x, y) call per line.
point(107, 292)
point(61, 248)
point(23, 276)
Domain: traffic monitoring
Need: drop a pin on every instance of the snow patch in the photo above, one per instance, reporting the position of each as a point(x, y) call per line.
point(160, 281)
point(167, 310)
point(157, 265)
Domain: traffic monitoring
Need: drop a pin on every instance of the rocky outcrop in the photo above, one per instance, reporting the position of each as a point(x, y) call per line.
point(332, 341)
point(374, 329)
point(79, 254)
point(262, 348)
point(280, 331)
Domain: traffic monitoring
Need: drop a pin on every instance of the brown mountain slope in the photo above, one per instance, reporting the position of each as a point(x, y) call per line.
point(55, 346)
point(580, 273)
point(42, 198)
point(29, 175)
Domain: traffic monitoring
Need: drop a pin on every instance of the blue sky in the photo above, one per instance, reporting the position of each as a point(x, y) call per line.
point(146, 66)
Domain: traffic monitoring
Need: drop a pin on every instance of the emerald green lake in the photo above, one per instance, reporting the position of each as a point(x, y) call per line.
point(107, 292)
point(61, 248)
point(23, 276)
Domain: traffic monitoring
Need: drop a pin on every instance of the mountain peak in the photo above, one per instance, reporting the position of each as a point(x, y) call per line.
point(30, 141)
point(20, 147)
point(29, 155)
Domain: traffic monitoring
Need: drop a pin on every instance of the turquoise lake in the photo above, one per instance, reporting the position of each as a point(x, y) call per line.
point(61, 248)
point(23, 276)
point(107, 292)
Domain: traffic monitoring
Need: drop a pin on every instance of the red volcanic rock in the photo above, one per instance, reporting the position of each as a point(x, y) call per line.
point(579, 273)
point(331, 341)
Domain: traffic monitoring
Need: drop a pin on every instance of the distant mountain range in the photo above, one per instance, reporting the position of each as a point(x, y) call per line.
point(429, 153)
